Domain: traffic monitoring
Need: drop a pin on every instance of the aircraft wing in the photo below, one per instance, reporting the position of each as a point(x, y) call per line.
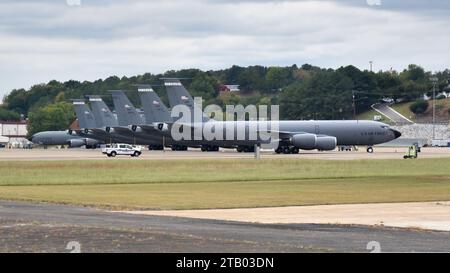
point(283, 135)
point(120, 129)
point(99, 131)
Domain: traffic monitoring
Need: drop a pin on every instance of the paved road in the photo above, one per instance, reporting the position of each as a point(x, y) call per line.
point(391, 113)
point(28, 227)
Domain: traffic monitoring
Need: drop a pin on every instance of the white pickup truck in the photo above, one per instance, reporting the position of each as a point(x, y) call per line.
point(122, 149)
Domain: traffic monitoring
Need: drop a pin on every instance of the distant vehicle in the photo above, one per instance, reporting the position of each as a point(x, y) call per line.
point(122, 149)
point(347, 148)
point(411, 153)
point(387, 100)
point(440, 143)
point(377, 118)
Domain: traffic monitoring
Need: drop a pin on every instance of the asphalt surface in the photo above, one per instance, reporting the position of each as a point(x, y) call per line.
point(30, 227)
point(83, 154)
point(391, 113)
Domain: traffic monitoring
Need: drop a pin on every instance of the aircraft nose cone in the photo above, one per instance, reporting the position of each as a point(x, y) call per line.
point(35, 138)
point(397, 134)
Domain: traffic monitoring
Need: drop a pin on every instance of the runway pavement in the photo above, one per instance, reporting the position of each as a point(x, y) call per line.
point(28, 227)
point(83, 154)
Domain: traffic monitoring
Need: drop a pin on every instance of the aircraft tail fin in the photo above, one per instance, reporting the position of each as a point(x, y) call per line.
point(154, 108)
point(84, 115)
point(102, 114)
point(179, 95)
point(127, 114)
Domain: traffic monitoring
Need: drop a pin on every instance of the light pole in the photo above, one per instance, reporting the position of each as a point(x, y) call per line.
point(434, 80)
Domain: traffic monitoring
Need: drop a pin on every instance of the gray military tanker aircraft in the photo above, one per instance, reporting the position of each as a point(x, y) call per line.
point(68, 137)
point(286, 136)
point(291, 136)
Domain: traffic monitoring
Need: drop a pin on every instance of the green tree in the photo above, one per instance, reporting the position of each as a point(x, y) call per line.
point(278, 77)
point(203, 86)
point(419, 107)
point(53, 117)
point(8, 115)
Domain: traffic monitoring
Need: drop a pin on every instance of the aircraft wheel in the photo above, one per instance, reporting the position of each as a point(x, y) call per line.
point(239, 149)
point(286, 150)
point(370, 150)
point(279, 150)
point(295, 150)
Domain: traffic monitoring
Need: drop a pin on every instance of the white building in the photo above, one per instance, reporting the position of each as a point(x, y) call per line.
point(13, 133)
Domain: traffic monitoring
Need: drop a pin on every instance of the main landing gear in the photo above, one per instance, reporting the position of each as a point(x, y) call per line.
point(155, 147)
point(245, 149)
point(179, 148)
point(370, 150)
point(287, 150)
point(208, 148)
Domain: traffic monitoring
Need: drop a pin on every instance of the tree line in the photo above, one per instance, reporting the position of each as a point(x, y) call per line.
point(305, 92)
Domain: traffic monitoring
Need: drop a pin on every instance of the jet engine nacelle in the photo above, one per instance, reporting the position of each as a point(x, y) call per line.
point(135, 128)
point(76, 143)
point(326, 143)
point(90, 142)
point(163, 127)
point(304, 141)
point(109, 130)
point(311, 142)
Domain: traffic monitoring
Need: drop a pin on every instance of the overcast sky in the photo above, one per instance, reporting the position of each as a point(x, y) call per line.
point(59, 39)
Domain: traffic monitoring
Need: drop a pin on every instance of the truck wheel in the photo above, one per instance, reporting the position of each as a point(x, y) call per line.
point(136, 154)
point(113, 154)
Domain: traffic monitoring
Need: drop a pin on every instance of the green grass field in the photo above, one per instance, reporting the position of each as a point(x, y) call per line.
point(225, 183)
